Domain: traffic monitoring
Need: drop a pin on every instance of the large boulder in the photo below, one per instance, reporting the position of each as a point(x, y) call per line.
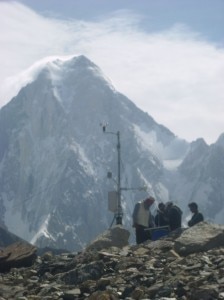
point(17, 255)
point(116, 236)
point(200, 237)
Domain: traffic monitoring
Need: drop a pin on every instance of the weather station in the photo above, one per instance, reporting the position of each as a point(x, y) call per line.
point(114, 197)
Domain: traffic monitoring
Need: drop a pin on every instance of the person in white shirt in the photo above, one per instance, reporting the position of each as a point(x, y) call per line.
point(142, 219)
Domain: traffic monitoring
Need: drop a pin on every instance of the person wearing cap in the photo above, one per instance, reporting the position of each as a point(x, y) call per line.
point(143, 219)
point(197, 216)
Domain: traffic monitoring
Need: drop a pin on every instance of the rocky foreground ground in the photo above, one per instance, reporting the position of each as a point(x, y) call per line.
point(187, 266)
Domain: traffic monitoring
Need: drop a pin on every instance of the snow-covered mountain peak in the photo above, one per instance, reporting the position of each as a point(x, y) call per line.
point(68, 77)
point(62, 70)
point(54, 68)
point(80, 61)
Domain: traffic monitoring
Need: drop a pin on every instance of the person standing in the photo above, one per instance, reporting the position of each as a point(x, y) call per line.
point(174, 214)
point(197, 216)
point(161, 218)
point(143, 219)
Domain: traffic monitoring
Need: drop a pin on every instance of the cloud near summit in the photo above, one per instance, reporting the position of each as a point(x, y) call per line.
point(174, 75)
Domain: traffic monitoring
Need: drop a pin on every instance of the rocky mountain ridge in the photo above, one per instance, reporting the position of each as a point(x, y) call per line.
point(181, 266)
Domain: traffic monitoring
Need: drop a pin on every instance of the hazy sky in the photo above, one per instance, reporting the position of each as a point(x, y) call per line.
point(167, 56)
